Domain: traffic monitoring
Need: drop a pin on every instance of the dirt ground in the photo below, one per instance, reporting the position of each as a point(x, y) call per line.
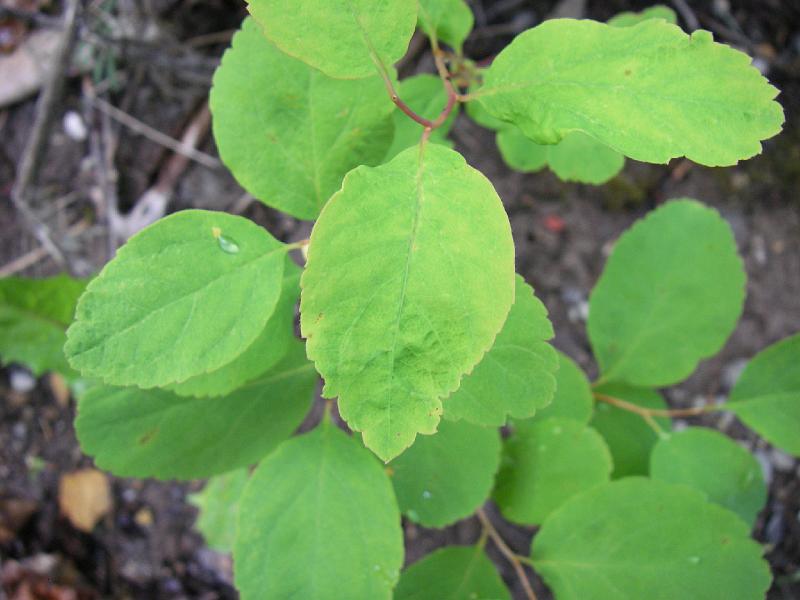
point(154, 59)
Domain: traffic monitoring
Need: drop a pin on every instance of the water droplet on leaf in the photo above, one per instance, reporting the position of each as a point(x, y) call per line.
point(426, 495)
point(227, 244)
point(695, 560)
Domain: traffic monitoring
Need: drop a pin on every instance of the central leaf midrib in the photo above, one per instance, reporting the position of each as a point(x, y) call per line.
point(418, 199)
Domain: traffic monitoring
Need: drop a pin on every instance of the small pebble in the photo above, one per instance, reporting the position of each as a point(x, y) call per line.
point(74, 126)
point(22, 380)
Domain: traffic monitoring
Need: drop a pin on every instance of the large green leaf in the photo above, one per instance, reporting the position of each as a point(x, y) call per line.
point(446, 476)
point(287, 132)
point(650, 92)
point(410, 276)
point(341, 38)
point(269, 347)
point(628, 19)
point(627, 434)
point(218, 506)
point(637, 538)
point(516, 377)
point(318, 521)
point(714, 464)
point(183, 297)
point(573, 397)
point(426, 96)
point(669, 296)
point(577, 157)
point(34, 314)
point(448, 20)
point(155, 433)
point(452, 573)
point(767, 395)
point(546, 463)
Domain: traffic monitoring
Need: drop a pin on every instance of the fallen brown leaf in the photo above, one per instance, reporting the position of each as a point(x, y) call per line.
point(84, 497)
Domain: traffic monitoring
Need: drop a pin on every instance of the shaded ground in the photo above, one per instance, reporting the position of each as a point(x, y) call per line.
point(146, 548)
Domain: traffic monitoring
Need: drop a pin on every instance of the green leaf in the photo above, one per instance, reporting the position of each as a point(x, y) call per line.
point(446, 476)
point(638, 538)
point(516, 377)
point(546, 463)
point(714, 464)
point(218, 505)
point(183, 297)
point(577, 157)
point(34, 314)
point(573, 398)
point(670, 295)
point(288, 133)
point(627, 434)
point(767, 395)
point(341, 38)
point(628, 19)
point(450, 21)
point(318, 521)
point(650, 92)
point(269, 347)
point(410, 277)
point(155, 433)
point(452, 573)
point(426, 96)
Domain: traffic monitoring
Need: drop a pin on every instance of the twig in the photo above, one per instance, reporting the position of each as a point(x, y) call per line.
point(154, 135)
point(507, 552)
point(37, 254)
point(46, 107)
point(152, 205)
point(654, 412)
point(687, 13)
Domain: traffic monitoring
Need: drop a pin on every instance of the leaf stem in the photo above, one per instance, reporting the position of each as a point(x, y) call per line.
point(507, 552)
point(387, 81)
point(654, 412)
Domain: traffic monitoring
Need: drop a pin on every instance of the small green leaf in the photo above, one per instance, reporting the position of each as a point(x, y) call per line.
point(450, 21)
point(650, 92)
point(174, 303)
point(519, 151)
point(446, 476)
point(452, 573)
point(410, 277)
point(577, 157)
point(288, 133)
point(573, 398)
point(546, 463)
point(627, 434)
point(767, 395)
point(714, 464)
point(628, 19)
point(318, 521)
point(669, 296)
point(34, 314)
point(218, 505)
point(637, 538)
point(426, 96)
point(341, 38)
point(516, 377)
point(155, 433)
point(269, 347)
